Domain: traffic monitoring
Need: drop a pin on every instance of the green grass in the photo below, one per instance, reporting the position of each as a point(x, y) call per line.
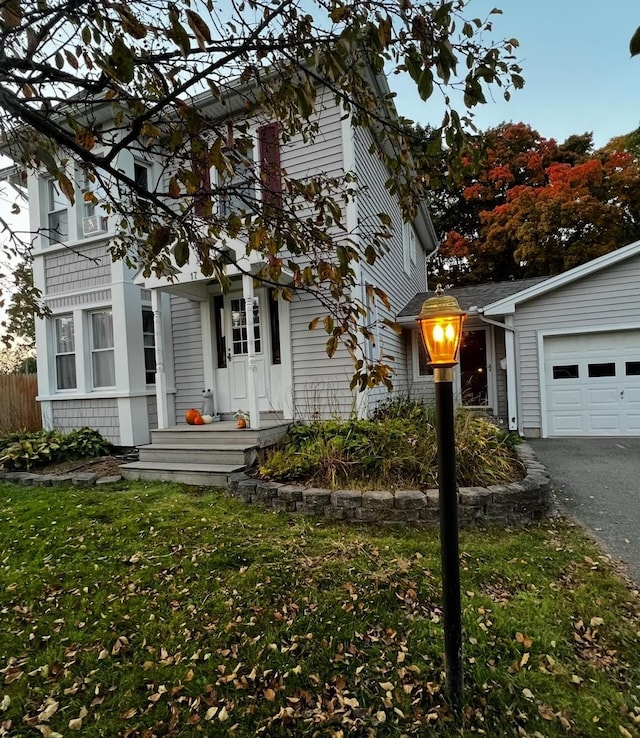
point(155, 610)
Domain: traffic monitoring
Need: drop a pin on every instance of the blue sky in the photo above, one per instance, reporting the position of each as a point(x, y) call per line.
point(575, 59)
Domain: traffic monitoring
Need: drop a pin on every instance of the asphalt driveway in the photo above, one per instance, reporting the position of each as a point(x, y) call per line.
point(597, 482)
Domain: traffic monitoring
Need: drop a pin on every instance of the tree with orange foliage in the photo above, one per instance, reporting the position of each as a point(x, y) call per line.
point(526, 206)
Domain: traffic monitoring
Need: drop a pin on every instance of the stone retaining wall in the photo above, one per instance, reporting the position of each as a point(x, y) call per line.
point(517, 503)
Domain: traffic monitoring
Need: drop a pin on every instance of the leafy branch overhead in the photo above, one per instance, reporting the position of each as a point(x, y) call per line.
point(97, 83)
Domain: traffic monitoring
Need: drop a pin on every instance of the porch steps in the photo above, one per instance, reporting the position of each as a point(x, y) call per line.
point(202, 455)
point(201, 475)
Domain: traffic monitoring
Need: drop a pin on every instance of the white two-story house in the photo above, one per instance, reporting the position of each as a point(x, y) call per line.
point(126, 354)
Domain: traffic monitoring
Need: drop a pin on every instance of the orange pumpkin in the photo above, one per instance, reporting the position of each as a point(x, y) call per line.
point(241, 423)
point(198, 420)
point(191, 415)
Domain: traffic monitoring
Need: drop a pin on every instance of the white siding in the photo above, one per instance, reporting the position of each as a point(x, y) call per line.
point(607, 298)
point(388, 272)
point(320, 383)
point(67, 271)
point(323, 155)
point(188, 360)
point(99, 414)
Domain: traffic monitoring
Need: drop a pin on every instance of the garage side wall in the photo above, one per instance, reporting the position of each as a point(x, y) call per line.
point(609, 299)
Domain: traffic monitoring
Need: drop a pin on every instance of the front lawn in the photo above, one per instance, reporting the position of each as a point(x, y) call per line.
point(155, 610)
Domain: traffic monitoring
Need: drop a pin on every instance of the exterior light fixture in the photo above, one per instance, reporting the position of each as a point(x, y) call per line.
point(440, 322)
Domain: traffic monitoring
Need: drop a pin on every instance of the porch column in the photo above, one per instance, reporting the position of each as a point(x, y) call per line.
point(161, 377)
point(252, 393)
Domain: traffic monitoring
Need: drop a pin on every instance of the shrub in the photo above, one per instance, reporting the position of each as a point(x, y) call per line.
point(24, 451)
point(395, 449)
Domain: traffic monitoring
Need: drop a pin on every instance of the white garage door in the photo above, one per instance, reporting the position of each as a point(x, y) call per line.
point(592, 384)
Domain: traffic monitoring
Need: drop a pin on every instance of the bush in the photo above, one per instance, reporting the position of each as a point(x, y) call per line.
point(24, 451)
point(396, 449)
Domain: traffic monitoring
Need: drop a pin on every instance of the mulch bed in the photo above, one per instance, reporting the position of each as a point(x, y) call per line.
point(103, 466)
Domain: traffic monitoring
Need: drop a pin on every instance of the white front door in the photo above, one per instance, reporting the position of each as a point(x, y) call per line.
point(592, 384)
point(231, 341)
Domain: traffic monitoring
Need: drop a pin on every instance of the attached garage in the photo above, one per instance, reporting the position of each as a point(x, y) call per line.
point(563, 357)
point(592, 384)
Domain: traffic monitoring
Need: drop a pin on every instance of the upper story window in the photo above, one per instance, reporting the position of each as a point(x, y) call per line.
point(65, 352)
point(239, 191)
point(57, 214)
point(409, 247)
point(93, 195)
point(102, 349)
point(141, 174)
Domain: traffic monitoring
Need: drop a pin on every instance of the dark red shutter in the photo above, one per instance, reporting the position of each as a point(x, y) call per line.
point(269, 144)
point(201, 169)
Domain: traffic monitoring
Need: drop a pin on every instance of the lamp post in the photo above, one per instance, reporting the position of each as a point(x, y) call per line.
point(440, 323)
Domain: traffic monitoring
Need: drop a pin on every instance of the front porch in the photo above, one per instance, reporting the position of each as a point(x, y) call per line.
point(203, 455)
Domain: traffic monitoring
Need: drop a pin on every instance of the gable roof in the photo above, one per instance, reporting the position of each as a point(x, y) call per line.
point(475, 295)
point(507, 304)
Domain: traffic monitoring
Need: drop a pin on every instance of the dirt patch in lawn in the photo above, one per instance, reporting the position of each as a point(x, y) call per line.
point(103, 466)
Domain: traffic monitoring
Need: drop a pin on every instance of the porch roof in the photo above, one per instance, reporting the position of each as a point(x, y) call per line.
point(475, 295)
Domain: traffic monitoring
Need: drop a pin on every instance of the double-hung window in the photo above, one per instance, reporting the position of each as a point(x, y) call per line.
point(93, 195)
point(409, 247)
point(57, 214)
point(65, 352)
point(240, 191)
point(149, 341)
point(102, 349)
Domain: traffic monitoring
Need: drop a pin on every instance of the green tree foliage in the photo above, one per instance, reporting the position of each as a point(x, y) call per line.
point(93, 81)
point(527, 206)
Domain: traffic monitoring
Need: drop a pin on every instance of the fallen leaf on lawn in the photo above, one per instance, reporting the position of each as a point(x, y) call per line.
point(576, 679)
point(381, 716)
point(12, 676)
point(223, 715)
point(624, 732)
point(546, 712)
point(46, 732)
point(48, 712)
point(76, 723)
point(596, 621)
point(210, 713)
point(269, 695)
point(527, 694)
point(6, 701)
point(525, 659)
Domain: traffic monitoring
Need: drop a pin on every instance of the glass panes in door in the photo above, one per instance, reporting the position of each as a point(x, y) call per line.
point(239, 334)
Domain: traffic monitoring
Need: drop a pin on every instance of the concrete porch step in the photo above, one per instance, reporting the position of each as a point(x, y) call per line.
point(201, 475)
point(199, 453)
point(222, 433)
